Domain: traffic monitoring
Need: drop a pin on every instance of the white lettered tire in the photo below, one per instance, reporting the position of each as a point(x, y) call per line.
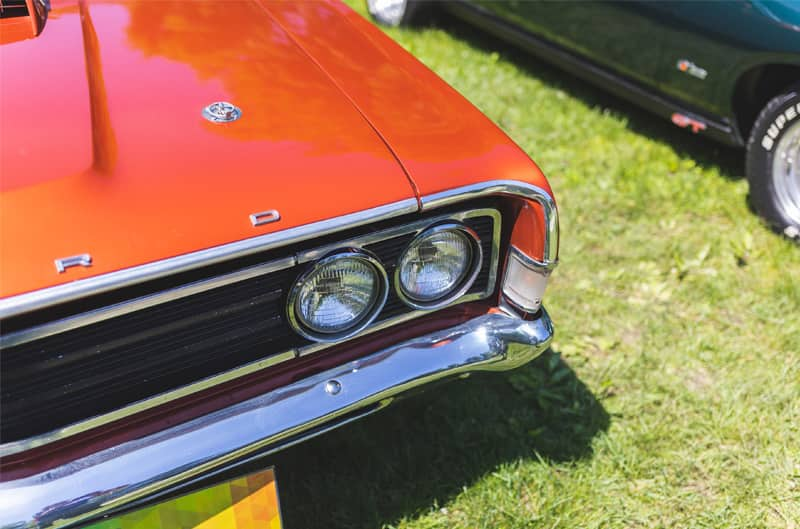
point(393, 12)
point(773, 163)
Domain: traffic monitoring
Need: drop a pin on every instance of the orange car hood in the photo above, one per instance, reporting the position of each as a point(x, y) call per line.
point(105, 150)
point(442, 140)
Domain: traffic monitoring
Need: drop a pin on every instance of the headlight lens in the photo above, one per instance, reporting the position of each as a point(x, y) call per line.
point(439, 265)
point(338, 297)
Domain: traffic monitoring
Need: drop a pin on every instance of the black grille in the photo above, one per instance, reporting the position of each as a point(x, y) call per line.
point(65, 378)
point(13, 8)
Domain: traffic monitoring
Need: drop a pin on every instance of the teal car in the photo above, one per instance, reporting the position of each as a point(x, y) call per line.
point(729, 70)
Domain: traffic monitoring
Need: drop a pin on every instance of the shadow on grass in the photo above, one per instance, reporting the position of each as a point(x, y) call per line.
point(705, 152)
point(422, 451)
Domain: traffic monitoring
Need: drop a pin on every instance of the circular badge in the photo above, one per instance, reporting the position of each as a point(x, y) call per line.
point(222, 112)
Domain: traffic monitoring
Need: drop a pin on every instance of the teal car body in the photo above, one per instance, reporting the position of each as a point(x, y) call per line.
point(728, 70)
point(713, 63)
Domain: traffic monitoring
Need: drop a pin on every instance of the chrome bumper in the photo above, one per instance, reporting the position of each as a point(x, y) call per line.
point(115, 478)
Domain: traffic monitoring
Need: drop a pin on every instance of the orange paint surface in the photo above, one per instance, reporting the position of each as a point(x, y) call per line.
point(113, 158)
point(176, 182)
point(527, 233)
point(442, 140)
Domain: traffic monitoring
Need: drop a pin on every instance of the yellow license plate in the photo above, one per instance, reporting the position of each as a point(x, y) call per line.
point(250, 502)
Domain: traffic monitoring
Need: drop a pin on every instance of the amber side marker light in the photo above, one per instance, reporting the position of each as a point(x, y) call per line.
point(525, 277)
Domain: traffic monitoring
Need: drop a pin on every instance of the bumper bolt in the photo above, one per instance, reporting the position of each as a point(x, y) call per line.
point(333, 387)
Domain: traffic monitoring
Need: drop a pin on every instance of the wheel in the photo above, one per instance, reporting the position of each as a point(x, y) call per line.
point(393, 12)
point(773, 163)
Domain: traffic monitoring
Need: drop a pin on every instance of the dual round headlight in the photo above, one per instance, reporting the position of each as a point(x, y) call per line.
point(438, 266)
point(338, 296)
point(343, 293)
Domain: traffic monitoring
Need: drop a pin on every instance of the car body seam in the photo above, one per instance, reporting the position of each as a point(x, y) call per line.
point(347, 96)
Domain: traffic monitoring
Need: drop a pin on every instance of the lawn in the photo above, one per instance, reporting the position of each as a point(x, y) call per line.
point(671, 396)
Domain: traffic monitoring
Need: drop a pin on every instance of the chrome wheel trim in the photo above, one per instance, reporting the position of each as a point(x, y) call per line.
point(786, 173)
point(389, 12)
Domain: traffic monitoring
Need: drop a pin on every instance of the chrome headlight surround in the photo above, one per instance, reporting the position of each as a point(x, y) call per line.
point(382, 280)
point(461, 288)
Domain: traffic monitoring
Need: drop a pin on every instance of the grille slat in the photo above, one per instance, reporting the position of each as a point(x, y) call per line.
point(138, 357)
point(68, 377)
point(139, 337)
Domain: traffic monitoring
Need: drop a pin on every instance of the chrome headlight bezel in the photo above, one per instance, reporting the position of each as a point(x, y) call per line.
point(296, 322)
point(462, 286)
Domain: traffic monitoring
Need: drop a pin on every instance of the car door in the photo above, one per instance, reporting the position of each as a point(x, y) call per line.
point(707, 42)
point(622, 36)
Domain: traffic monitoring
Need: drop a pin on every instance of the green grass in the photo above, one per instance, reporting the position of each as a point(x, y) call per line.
point(671, 396)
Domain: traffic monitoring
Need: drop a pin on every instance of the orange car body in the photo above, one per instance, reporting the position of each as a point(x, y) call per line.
point(105, 150)
point(106, 154)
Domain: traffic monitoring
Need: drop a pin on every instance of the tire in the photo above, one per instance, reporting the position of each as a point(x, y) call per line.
point(773, 163)
point(394, 12)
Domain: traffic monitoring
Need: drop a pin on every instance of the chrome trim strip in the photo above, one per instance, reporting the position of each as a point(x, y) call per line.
point(109, 480)
point(130, 276)
point(530, 262)
point(46, 297)
point(146, 404)
point(240, 275)
point(65, 324)
point(506, 187)
point(405, 229)
point(62, 293)
point(125, 307)
point(390, 322)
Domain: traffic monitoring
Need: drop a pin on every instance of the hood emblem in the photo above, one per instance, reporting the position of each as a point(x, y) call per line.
point(688, 67)
point(83, 259)
point(265, 217)
point(222, 112)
